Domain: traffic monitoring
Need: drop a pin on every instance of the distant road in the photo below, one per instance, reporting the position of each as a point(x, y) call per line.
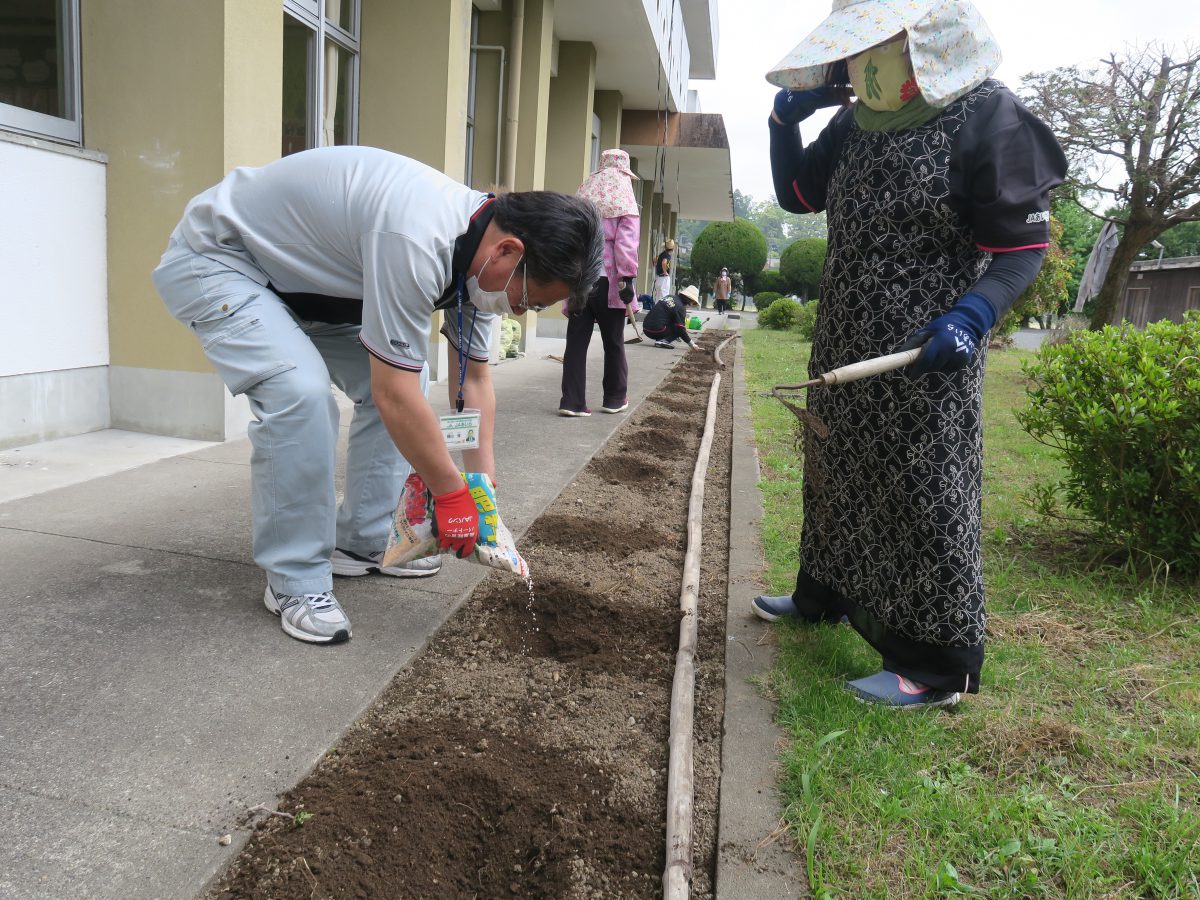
point(1030, 338)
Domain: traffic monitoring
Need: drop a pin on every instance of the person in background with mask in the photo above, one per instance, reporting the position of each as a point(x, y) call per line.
point(662, 271)
point(936, 186)
point(612, 301)
point(722, 289)
point(327, 266)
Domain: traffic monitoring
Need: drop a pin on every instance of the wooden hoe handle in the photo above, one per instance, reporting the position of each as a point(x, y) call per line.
point(869, 367)
point(855, 371)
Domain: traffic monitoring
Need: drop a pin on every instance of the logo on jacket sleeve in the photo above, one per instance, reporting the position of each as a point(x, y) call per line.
point(1033, 218)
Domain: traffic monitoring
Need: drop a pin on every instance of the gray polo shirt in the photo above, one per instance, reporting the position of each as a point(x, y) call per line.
point(348, 222)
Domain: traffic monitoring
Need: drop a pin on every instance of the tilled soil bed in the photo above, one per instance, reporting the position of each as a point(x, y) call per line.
point(524, 752)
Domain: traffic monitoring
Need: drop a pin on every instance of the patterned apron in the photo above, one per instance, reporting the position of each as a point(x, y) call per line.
point(892, 495)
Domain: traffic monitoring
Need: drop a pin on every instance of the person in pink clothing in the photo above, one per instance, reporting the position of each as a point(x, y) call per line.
point(610, 188)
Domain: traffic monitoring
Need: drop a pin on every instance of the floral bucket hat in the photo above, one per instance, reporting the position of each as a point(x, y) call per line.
point(951, 46)
point(610, 187)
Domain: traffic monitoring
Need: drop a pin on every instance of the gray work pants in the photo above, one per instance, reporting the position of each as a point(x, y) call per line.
point(285, 366)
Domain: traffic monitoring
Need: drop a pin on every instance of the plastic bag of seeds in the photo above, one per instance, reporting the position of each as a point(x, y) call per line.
point(412, 533)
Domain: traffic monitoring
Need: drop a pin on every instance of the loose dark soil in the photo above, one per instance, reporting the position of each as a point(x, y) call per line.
point(524, 753)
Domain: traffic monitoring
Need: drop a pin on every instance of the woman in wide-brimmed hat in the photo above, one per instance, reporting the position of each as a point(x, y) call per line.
point(935, 182)
point(612, 300)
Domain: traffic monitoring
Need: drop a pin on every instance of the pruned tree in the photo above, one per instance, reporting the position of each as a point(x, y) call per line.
point(801, 265)
point(1131, 131)
point(738, 246)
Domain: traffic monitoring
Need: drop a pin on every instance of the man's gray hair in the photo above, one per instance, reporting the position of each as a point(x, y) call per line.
point(563, 238)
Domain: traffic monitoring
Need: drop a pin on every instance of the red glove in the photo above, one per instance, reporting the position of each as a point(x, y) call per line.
point(456, 521)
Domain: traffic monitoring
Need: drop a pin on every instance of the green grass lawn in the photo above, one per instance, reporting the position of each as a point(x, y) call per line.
point(1075, 772)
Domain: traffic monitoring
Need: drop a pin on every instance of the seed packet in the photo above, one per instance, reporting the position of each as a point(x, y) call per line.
point(413, 532)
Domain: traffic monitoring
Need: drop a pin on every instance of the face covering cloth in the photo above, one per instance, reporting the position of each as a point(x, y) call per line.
point(882, 76)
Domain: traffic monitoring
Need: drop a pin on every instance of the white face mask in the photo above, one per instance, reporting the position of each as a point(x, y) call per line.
point(491, 301)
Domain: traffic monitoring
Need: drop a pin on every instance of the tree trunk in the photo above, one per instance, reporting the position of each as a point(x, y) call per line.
point(1108, 301)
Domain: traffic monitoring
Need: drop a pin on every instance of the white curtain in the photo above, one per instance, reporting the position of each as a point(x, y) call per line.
point(333, 10)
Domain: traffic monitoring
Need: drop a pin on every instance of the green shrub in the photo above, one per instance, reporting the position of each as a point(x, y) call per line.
point(806, 320)
point(801, 265)
point(1122, 407)
point(780, 315)
point(763, 299)
point(770, 280)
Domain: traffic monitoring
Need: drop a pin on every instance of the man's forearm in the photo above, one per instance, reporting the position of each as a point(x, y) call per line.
point(413, 426)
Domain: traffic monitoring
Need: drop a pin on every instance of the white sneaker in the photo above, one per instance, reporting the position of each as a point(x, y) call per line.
point(316, 618)
point(351, 565)
point(663, 345)
point(615, 409)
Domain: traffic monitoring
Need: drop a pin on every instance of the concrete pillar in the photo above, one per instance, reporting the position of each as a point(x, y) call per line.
point(402, 107)
point(177, 95)
point(402, 43)
point(646, 250)
point(534, 110)
point(568, 151)
point(609, 106)
point(569, 124)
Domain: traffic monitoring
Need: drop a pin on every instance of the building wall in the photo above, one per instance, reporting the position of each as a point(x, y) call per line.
point(176, 95)
point(54, 345)
point(537, 47)
point(569, 131)
point(1173, 291)
point(413, 93)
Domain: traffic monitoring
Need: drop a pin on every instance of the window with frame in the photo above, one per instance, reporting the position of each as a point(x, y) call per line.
point(472, 78)
point(320, 73)
point(39, 68)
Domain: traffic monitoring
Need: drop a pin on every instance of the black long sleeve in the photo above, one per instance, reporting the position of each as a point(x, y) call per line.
point(801, 174)
point(787, 153)
point(1007, 275)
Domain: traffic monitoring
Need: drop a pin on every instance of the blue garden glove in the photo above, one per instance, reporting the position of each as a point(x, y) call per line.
point(793, 107)
point(952, 340)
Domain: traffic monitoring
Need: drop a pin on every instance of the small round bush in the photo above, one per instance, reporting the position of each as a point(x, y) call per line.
point(770, 280)
point(806, 320)
point(1122, 408)
point(763, 299)
point(780, 315)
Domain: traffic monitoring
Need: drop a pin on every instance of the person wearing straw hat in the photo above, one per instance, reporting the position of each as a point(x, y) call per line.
point(612, 300)
point(667, 322)
point(662, 271)
point(935, 182)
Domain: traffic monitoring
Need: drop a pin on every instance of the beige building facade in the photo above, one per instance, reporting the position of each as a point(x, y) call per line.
point(114, 114)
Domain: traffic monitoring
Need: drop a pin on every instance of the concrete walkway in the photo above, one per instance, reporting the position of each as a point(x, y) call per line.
point(149, 699)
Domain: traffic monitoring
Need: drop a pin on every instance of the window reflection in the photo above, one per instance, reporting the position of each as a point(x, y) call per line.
point(31, 56)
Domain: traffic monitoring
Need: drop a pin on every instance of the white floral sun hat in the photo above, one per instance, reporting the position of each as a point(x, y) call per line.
point(951, 46)
point(610, 187)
